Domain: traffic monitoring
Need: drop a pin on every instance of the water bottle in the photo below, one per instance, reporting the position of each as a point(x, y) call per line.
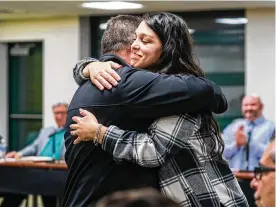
point(3, 147)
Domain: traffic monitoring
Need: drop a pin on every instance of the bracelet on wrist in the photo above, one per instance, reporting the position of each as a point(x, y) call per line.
point(97, 134)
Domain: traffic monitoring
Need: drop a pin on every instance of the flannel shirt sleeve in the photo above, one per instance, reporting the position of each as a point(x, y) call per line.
point(131, 146)
point(77, 70)
point(147, 150)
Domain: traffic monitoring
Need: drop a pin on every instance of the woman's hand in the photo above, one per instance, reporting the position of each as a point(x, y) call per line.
point(102, 74)
point(85, 127)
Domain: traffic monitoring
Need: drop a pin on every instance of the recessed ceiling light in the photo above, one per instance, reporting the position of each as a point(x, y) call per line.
point(232, 20)
point(112, 5)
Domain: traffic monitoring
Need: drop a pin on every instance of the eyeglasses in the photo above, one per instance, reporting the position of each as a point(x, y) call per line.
point(60, 112)
point(259, 171)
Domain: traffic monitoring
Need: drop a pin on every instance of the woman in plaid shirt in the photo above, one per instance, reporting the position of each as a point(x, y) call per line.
point(188, 147)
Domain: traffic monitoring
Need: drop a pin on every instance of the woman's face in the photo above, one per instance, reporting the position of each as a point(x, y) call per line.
point(147, 47)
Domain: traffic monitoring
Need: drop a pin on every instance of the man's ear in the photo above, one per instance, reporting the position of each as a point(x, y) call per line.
point(261, 106)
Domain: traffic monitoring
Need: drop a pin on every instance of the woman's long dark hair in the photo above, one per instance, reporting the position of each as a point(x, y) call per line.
point(177, 56)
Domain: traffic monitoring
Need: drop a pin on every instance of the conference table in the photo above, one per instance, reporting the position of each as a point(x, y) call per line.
point(48, 178)
point(36, 178)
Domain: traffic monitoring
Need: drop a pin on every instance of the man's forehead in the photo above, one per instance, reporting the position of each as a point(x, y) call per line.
point(251, 99)
point(60, 107)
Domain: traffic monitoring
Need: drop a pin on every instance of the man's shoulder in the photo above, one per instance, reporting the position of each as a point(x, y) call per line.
point(270, 123)
point(47, 129)
point(88, 95)
point(45, 132)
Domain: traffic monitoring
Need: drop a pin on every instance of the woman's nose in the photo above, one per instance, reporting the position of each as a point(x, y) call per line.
point(135, 45)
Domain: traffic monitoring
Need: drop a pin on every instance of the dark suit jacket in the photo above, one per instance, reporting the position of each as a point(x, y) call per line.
point(139, 99)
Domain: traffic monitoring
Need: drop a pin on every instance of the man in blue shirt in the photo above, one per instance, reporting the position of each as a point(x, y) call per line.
point(246, 139)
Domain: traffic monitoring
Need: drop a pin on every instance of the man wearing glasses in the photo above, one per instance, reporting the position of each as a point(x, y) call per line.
point(264, 178)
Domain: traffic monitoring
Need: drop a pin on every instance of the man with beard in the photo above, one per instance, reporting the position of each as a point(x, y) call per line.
point(246, 139)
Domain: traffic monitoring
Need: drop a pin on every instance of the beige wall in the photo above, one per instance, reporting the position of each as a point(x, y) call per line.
point(61, 51)
point(260, 57)
point(3, 91)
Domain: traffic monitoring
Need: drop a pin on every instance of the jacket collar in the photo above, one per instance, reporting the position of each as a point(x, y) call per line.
point(114, 58)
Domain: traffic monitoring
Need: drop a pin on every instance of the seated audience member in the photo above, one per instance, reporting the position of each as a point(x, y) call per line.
point(246, 139)
point(145, 197)
point(264, 179)
point(43, 146)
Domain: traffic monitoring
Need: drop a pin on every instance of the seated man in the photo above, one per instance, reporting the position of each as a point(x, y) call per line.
point(264, 181)
point(42, 145)
point(49, 143)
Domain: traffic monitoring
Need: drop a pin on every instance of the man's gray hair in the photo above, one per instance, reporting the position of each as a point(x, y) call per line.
point(119, 33)
point(59, 104)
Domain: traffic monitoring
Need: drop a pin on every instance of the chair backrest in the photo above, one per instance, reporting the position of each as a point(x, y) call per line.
point(31, 137)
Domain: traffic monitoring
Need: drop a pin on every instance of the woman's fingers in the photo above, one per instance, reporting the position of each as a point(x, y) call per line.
point(97, 84)
point(73, 126)
point(76, 119)
point(103, 76)
point(84, 112)
point(74, 132)
point(103, 82)
point(113, 74)
point(78, 140)
point(108, 77)
point(115, 65)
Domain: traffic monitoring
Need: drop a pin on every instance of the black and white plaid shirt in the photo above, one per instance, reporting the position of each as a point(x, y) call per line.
point(191, 172)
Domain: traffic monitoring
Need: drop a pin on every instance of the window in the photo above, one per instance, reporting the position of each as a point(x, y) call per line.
point(25, 93)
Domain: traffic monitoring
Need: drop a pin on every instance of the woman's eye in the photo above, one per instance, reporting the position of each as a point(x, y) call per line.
point(145, 41)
